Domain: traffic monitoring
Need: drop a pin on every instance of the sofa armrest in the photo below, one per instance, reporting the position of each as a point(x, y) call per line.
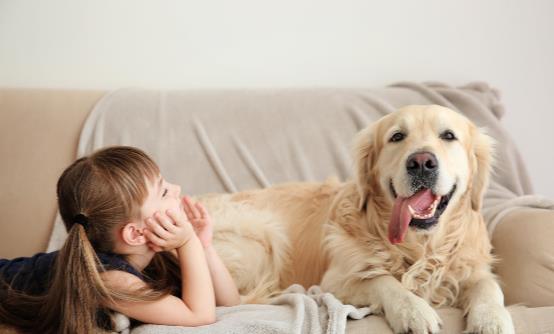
point(39, 132)
point(524, 244)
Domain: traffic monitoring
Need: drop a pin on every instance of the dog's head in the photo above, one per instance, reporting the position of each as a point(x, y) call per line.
point(423, 160)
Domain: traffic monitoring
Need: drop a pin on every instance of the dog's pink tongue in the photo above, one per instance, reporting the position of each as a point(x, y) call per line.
point(401, 216)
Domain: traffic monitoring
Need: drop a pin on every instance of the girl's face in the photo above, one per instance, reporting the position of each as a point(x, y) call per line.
point(162, 196)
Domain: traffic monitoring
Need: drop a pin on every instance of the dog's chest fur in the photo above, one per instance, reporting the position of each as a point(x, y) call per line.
point(435, 278)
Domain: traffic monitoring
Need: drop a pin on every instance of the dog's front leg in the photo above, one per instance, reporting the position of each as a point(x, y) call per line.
point(484, 305)
point(404, 311)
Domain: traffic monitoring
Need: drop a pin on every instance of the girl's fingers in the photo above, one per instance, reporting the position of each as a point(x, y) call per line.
point(186, 207)
point(169, 224)
point(196, 214)
point(177, 218)
point(157, 226)
point(153, 238)
point(201, 209)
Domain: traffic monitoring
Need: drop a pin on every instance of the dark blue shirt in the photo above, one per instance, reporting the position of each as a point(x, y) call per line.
point(33, 274)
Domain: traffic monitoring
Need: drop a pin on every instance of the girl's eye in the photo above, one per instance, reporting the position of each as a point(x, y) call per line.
point(165, 192)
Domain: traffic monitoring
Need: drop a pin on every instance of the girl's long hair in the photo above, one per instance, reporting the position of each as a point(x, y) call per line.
point(108, 188)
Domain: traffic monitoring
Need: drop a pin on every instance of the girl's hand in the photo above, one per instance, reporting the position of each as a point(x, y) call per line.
point(200, 219)
point(168, 231)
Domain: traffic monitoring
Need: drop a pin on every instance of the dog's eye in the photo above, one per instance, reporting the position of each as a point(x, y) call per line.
point(399, 136)
point(448, 135)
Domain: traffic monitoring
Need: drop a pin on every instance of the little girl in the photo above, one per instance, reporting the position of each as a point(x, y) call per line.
point(133, 246)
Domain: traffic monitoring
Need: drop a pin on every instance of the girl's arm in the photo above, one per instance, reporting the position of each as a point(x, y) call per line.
point(226, 293)
point(197, 305)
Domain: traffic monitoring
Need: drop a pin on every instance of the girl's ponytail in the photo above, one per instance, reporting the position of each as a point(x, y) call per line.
point(77, 290)
point(72, 302)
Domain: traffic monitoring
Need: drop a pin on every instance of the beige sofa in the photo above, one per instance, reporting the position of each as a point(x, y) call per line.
point(39, 131)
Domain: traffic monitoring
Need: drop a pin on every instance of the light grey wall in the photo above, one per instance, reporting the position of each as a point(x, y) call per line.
point(251, 43)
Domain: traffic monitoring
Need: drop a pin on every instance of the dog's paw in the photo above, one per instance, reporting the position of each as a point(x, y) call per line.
point(489, 319)
point(412, 314)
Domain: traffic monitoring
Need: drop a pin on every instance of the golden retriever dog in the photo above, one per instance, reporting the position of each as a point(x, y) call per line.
point(405, 236)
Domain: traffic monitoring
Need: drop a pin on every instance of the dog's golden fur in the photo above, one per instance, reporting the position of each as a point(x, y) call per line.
point(336, 234)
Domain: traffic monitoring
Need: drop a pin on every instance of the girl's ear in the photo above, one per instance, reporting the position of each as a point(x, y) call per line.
point(132, 234)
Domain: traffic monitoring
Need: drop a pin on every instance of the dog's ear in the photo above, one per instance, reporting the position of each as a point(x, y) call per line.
point(483, 157)
point(364, 155)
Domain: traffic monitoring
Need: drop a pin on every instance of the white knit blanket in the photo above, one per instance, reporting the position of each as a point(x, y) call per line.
point(296, 311)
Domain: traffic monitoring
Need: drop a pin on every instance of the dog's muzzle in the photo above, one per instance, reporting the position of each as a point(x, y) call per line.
point(423, 208)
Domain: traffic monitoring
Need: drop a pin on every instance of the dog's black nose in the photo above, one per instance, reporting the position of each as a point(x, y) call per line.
point(422, 164)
